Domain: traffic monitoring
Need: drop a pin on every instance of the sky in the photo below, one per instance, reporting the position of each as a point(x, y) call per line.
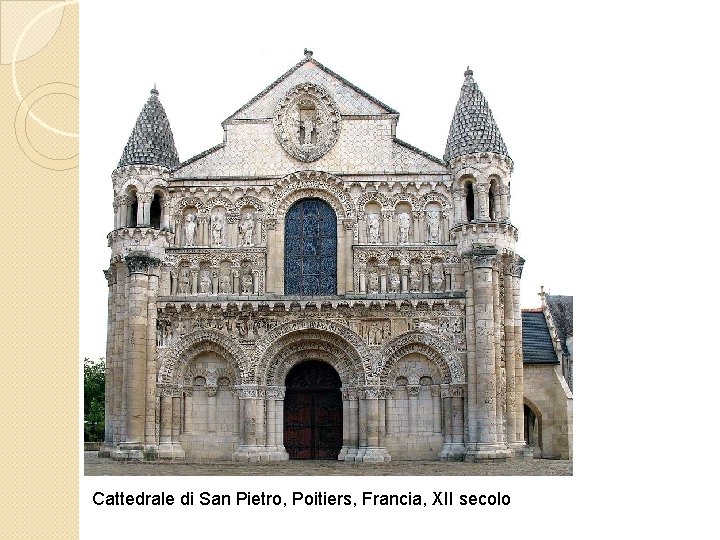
point(206, 66)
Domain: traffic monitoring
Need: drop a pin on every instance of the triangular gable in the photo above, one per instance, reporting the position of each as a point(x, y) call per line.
point(350, 99)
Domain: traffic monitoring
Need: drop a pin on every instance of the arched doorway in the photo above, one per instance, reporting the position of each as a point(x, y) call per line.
point(311, 248)
point(313, 411)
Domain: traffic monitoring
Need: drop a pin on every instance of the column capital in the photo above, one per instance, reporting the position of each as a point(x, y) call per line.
point(413, 390)
point(141, 262)
point(515, 267)
point(247, 391)
point(348, 223)
point(481, 256)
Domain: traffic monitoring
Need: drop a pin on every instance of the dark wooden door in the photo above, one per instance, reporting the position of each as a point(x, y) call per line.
point(313, 412)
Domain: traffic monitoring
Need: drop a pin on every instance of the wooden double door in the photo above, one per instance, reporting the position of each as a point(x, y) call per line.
point(313, 412)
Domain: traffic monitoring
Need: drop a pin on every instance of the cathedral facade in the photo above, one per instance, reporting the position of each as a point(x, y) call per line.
point(313, 287)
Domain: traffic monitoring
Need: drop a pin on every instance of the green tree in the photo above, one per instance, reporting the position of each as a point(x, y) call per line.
point(94, 394)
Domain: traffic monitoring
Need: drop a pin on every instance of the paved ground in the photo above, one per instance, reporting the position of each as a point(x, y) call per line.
point(95, 466)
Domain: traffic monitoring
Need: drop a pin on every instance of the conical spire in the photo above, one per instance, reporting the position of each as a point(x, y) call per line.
point(151, 141)
point(473, 128)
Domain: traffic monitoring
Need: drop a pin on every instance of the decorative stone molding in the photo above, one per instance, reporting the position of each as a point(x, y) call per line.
point(140, 263)
point(516, 266)
point(303, 184)
point(433, 347)
point(172, 361)
point(307, 122)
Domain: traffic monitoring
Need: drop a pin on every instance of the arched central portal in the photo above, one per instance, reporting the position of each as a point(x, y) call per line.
point(311, 248)
point(313, 411)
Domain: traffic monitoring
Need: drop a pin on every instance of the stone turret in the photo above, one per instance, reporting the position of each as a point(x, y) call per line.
point(481, 169)
point(138, 241)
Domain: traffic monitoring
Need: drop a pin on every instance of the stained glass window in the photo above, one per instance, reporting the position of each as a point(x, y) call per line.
point(311, 248)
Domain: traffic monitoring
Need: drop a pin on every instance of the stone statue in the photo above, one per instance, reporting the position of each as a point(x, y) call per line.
point(205, 282)
point(373, 281)
point(394, 280)
point(216, 225)
point(225, 284)
point(433, 226)
point(415, 280)
point(184, 284)
point(246, 283)
point(373, 221)
point(437, 280)
point(403, 227)
point(246, 228)
point(374, 334)
point(190, 225)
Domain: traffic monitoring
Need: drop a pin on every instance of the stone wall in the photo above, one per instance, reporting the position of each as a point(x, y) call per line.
point(547, 392)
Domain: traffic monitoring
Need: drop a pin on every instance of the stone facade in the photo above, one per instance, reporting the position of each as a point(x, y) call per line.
point(313, 233)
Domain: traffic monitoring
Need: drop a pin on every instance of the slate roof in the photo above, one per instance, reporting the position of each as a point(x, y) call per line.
point(473, 128)
point(561, 309)
point(536, 342)
point(151, 141)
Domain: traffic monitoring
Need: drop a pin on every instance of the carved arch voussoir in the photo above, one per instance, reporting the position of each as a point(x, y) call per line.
point(173, 362)
point(429, 345)
point(306, 184)
point(305, 334)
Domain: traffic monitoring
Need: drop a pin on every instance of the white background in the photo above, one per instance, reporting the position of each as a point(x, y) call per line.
point(610, 114)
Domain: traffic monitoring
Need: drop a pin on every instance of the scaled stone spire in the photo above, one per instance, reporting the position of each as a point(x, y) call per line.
point(151, 141)
point(473, 128)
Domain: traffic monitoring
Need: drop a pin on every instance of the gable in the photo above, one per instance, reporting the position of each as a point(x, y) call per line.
point(350, 100)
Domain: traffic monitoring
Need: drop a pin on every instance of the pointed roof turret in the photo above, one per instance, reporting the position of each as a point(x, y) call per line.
point(473, 128)
point(151, 141)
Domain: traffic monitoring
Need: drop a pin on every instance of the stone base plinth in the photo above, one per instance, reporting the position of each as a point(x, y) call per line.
point(170, 451)
point(347, 453)
point(372, 454)
point(128, 451)
point(483, 452)
point(452, 452)
point(521, 451)
point(254, 454)
point(106, 451)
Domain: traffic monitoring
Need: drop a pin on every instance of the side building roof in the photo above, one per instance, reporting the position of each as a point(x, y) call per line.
point(536, 342)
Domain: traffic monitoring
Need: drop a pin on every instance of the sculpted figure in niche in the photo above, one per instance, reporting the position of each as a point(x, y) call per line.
point(373, 228)
point(415, 280)
point(216, 225)
point(373, 281)
point(246, 283)
point(433, 226)
point(374, 334)
point(438, 278)
point(190, 225)
point(205, 282)
point(394, 280)
point(403, 228)
point(184, 284)
point(246, 228)
point(225, 284)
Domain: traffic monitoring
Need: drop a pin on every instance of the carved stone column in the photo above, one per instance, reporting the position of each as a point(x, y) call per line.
point(516, 272)
point(170, 426)
point(483, 196)
point(436, 409)
point(387, 216)
point(140, 265)
point(450, 451)
point(509, 393)
point(345, 424)
point(483, 364)
point(349, 227)
point(371, 451)
point(448, 279)
point(353, 412)
point(194, 281)
point(143, 216)
point(413, 392)
point(382, 417)
point(363, 281)
point(426, 277)
point(211, 408)
point(383, 270)
point(404, 272)
point(249, 447)
point(275, 396)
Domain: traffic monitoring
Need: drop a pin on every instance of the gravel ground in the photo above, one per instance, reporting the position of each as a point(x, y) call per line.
point(96, 466)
